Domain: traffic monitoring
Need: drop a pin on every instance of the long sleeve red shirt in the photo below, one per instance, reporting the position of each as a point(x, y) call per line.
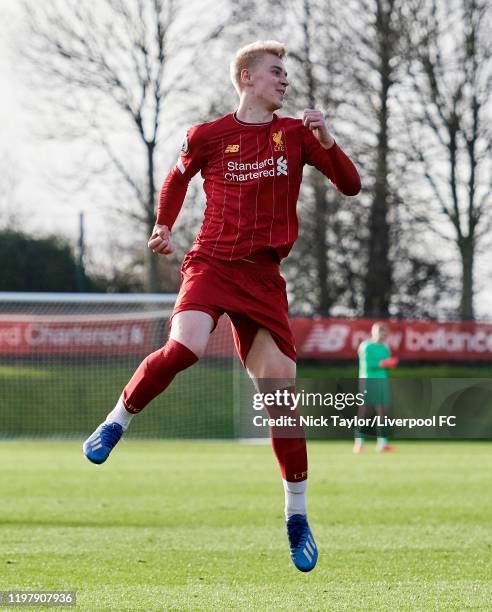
point(252, 175)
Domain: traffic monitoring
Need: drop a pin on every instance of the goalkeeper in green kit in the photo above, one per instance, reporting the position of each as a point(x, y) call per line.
point(374, 361)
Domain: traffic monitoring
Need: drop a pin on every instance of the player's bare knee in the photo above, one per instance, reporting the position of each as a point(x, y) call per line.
point(275, 366)
point(195, 345)
point(192, 329)
point(198, 349)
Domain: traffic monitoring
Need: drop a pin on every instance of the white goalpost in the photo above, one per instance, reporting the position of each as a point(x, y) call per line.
point(64, 359)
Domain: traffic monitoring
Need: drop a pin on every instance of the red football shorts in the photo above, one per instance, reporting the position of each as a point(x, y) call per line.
point(250, 291)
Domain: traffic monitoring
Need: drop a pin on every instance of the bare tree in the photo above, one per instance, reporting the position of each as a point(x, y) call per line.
point(354, 256)
point(372, 41)
point(451, 132)
point(317, 83)
point(113, 72)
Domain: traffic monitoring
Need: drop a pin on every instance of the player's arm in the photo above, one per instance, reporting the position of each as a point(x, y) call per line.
point(389, 362)
point(321, 151)
point(173, 190)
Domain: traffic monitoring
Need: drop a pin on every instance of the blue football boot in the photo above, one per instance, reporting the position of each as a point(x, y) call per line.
point(98, 446)
point(303, 550)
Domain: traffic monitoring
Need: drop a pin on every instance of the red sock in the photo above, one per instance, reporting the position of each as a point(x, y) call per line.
point(155, 373)
point(289, 443)
point(292, 458)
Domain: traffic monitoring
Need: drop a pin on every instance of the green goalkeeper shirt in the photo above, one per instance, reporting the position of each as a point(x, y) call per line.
point(370, 354)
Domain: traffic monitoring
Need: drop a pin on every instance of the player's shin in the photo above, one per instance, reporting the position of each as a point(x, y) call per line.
point(151, 378)
point(295, 498)
point(381, 429)
point(289, 445)
point(120, 415)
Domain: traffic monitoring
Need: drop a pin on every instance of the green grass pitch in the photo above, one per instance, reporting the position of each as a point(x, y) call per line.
point(53, 399)
point(199, 526)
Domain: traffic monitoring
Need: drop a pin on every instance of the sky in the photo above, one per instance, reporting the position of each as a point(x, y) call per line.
point(34, 162)
point(41, 206)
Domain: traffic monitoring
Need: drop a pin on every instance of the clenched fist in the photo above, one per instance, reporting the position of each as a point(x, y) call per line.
point(315, 121)
point(160, 240)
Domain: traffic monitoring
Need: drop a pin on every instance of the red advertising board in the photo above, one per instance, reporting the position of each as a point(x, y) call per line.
point(320, 338)
point(36, 335)
point(410, 340)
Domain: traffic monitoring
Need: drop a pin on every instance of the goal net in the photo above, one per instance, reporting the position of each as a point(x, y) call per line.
point(65, 358)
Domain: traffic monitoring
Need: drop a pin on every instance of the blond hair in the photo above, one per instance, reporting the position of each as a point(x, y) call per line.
point(249, 55)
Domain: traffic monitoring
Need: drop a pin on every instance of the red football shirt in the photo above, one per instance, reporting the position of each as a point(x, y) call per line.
point(252, 175)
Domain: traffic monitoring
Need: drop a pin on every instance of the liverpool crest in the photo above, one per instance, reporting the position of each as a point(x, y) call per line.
point(278, 140)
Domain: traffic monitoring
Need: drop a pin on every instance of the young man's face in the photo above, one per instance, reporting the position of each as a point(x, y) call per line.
point(268, 82)
point(379, 333)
